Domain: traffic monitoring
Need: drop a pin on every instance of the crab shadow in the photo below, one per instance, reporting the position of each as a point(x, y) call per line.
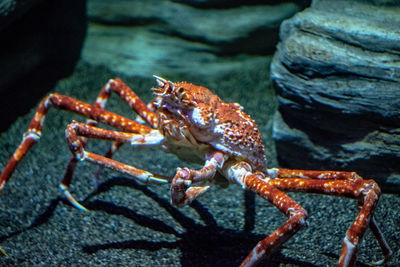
point(206, 244)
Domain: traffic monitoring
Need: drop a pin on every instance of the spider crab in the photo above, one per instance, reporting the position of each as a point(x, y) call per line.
point(195, 124)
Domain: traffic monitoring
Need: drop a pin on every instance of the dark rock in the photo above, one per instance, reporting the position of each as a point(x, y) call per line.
point(167, 37)
point(11, 10)
point(40, 43)
point(337, 76)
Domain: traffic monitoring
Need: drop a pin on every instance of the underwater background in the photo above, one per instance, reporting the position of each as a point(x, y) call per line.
point(74, 47)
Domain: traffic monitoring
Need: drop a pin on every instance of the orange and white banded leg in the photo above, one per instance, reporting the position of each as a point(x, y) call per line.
point(116, 145)
point(127, 95)
point(183, 189)
point(346, 184)
point(76, 130)
point(145, 112)
point(32, 135)
point(241, 173)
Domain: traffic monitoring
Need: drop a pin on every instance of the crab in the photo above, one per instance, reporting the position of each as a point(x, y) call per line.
point(196, 125)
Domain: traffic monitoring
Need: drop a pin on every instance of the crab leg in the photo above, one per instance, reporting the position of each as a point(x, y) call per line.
point(32, 135)
point(296, 213)
point(127, 95)
point(146, 113)
point(311, 174)
point(241, 173)
point(347, 184)
point(76, 130)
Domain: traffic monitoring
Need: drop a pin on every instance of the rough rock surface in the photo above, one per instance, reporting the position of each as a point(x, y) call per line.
point(337, 76)
point(178, 37)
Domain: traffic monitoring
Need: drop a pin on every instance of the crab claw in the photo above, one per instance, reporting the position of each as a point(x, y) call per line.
point(182, 193)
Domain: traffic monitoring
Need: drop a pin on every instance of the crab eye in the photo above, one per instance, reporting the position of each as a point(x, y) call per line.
point(179, 92)
point(182, 96)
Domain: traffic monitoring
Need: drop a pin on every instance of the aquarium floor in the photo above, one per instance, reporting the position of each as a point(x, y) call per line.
point(130, 224)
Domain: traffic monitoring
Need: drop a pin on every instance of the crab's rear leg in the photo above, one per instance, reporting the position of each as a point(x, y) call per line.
point(346, 184)
point(32, 135)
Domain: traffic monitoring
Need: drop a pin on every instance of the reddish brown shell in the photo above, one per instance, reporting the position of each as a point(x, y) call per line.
point(240, 134)
point(233, 131)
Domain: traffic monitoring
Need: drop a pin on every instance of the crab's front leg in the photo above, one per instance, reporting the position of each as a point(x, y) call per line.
point(346, 184)
point(241, 173)
point(182, 191)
